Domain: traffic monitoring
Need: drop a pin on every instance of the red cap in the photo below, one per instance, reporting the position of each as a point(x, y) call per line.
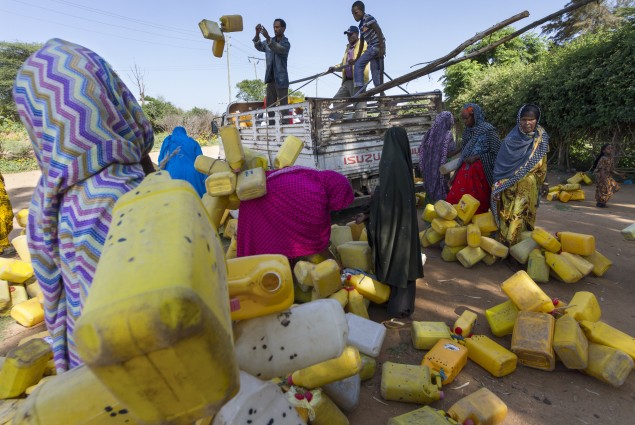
point(290, 380)
point(299, 396)
point(468, 422)
point(458, 330)
point(309, 396)
point(555, 301)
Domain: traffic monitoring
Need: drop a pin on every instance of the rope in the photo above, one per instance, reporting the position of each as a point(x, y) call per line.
point(165, 161)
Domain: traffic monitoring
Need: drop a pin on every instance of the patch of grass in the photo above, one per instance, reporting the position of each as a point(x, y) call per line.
point(399, 350)
point(562, 207)
point(18, 165)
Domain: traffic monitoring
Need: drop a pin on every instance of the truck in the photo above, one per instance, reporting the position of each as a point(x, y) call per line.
point(343, 135)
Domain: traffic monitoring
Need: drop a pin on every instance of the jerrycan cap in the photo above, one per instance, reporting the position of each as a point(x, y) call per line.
point(468, 422)
point(441, 395)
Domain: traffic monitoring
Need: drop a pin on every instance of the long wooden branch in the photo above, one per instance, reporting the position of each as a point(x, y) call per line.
point(423, 71)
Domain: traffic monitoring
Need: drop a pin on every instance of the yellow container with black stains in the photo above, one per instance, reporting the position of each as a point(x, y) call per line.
point(429, 213)
point(426, 415)
point(485, 222)
point(445, 210)
point(156, 330)
point(502, 318)
point(370, 288)
point(456, 236)
point(28, 313)
point(581, 265)
point(490, 355)
point(601, 264)
point(447, 358)
point(526, 294)
point(349, 363)
point(570, 344)
point(608, 364)
point(483, 407)
point(23, 366)
point(532, 340)
point(259, 285)
point(49, 403)
point(577, 243)
point(426, 334)
point(601, 333)
point(584, 306)
point(440, 225)
point(288, 152)
point(467, 208)
point(409, 383)
point(465, 323)
point(469, 256)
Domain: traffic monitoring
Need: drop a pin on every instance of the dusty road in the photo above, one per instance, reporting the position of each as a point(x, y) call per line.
point(534, 397)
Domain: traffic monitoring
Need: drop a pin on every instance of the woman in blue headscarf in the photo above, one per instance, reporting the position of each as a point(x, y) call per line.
point(478, 155)
point(181, 152)
point(520, 170)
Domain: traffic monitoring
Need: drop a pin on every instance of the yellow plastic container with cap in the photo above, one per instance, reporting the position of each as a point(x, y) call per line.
point(432, 236)
point(426, 334)
point(17, 271)
point(464, 324)
point(23, 366)
point(569, 187)
point(356, 255)
point(601, 333)
point(570, 344)
point(288, 152)
point(608, 364)
point(21, 247)
point(601, 264)
point(584, 306)
point(326, 278)
point(48, 404)
point(490, 355)
point(356, 304)
point(156, 329)
point(522, 249)
point(564, 196)
point(232, 146)
point(577, 243)
point(259, 285)
point(218, 47)
point(526, 294)
point(552, 196)
point(446, 358)
point(425, 415)
point(448, 253)
point(22, 217)
point(317, 375)
point(207, 165)
point(210, 30)
point(18, 294)
point(215, 207)
point(485, 222)
point(482, 407)
point(429, 213)
point(473, 235)
point(231, 23)
point(369, 367)
point(577, 195)
point(492, 246)
point(445, 210)
point(28, 313)
point(370, 288)
point(255, 159)
point(456, 236)
point(340, 296)
point(469, 256)
point(502, 318)
point(557, 188)
point(221, 184)
point(545, 239)
point(576, 178)
point(562, 268)
point(537, 267)
point(340, 235)
point(251, 184)
point(532, 340)
point(467, 207)
point(409, 383)
point(440, 225)
point(582, 265)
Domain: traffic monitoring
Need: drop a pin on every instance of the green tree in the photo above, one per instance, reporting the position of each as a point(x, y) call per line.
point(591, 18)
point(251, 90)
point(12, 56)
point(158, 108)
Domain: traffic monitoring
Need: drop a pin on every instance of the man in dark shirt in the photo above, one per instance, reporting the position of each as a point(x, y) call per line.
point(276, 51)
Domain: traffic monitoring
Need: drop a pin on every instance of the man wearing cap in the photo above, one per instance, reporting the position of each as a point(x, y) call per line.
point(347, 88)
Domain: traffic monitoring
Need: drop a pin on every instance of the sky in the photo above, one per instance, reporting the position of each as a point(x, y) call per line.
point(162, 39)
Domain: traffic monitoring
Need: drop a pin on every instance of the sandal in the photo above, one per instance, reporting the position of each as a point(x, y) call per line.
point(8, 251)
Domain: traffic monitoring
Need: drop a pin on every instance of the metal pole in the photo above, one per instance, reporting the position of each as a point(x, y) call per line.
point(229, 84)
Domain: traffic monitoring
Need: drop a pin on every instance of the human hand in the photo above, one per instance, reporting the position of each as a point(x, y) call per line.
point(496, 197)
point(264, 32)
point(258, 28)
point(360, 218)
point(331, 69)
point(471, 159)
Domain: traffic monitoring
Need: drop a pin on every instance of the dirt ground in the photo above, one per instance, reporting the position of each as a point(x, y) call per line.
point(533, 396)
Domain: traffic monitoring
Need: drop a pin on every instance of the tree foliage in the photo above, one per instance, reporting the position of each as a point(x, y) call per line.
point(591, 18)
point(251, 90)
point(156, 109)
point(12, 56)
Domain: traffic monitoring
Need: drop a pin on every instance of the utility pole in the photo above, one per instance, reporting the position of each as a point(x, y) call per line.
point(229, 84)
point(255, 61)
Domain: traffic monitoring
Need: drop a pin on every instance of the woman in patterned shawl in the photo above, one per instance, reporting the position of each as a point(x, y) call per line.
point(604, 168)
point(91, 141)
point(478, 155)
point(521, 167)
point(435, 147)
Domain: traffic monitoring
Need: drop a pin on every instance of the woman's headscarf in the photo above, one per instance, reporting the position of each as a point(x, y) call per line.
point(481, 139)
point(517, 155)
point(393, 227)
point(433, 152)
point(89, 135)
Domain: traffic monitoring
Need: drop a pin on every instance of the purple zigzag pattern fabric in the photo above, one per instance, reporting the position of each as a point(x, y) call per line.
point(89, 135)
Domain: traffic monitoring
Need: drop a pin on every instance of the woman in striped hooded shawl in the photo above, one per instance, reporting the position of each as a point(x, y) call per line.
point(91, 141)
point(521, 167)
point(478, 155)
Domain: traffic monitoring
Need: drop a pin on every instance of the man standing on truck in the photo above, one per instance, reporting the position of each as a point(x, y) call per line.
point(372, 35)
point(276, 51)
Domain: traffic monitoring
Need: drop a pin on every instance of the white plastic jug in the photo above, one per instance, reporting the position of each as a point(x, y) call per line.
point(366, 335)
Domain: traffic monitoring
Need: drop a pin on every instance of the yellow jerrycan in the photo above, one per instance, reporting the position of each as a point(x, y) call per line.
point(608, 364)
point(28, 313)
point(356, 303)
point(156, 330)
point(446, 358)
point(326, 411)
point(456, 236)
point(502, 318)
point(232, 146)
point(584, 306)
point(288, 152)
point(432, 237)
point(317, 375)
point(485, 222)
point(545, 239)
point(218, 47)
point(231, 23)
point(23, 366)
point(601, 333)
point(629, 232)
point(326, 277)
point(20, 245)
point(215, 207)
point(356, 229)
point(448, 253)
point(425, 415)
point(581, 265)
point(210, 30)
point(340, 235)
point(576, 178)
point(469, 256)
point(356, 255)
point(577, 243)
point(473, 235)
point(492, 246)
point(601, 264)
point(464, 324)
point(207, 165)
point(522, 249)
point(482, 407)
point(49, 403)
point(22, 217)
point(5, 295)
point(369, 367)
point(467, 208)
point(532, 340)
point(441, 225)
point(251, 184)
point(562, 268)
point(490, 355)
point(537, 267)
point(221, 183)
point(16, 271)
point(570, 344)
point(526, 294)
point(445, 210)
point(370, 288)
point(259, 285)
point(426, 334)
point(429, 213)
point(255, 159)
point(409, 383)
